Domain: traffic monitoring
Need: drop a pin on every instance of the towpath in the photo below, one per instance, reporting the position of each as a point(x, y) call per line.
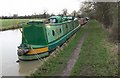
point(70, 64)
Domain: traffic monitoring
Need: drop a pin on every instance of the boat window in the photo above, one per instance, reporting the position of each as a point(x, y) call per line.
point(53, 21)
point(48, 34)
point(60, 30)
point(66, 26)
point(72, 25)
point(53, 32)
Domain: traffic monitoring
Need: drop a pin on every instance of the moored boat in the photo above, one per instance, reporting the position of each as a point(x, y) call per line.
point(39, 39)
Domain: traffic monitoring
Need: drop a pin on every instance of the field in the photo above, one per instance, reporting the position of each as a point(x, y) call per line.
point(11, 23)
point(7, 24)
point(98, 57)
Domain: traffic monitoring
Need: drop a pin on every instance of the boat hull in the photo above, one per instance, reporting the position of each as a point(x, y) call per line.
point(33, 56)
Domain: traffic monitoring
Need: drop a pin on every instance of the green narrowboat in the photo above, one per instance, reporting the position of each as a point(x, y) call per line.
point(39, 39)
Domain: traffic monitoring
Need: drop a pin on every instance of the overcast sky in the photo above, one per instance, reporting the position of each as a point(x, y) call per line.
point(28, 7)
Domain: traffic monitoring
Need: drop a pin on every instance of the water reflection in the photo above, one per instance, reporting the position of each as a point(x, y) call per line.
point(9, 41)
point(25, 66)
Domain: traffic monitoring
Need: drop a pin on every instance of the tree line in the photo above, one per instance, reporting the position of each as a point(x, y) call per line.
point(45, 14)
point(106, 13)
point(15, 16)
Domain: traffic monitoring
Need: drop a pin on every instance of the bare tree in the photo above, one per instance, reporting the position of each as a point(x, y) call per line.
point(15, 16)
point(74, 13)
point(86, 9)
point(45, 13)
point(65, 11)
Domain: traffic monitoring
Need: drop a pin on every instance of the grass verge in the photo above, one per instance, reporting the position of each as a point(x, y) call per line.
point(98, 57)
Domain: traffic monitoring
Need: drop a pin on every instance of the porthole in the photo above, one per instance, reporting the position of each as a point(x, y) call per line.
point(53, 32)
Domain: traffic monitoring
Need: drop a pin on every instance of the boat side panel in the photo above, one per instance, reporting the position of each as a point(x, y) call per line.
point(60, 41)
point(54, 32)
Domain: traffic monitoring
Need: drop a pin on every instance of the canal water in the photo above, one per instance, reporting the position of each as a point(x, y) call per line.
point(9, 40)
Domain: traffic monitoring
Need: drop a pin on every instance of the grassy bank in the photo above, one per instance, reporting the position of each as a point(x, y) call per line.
point(98, 57)
point(55, 64)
